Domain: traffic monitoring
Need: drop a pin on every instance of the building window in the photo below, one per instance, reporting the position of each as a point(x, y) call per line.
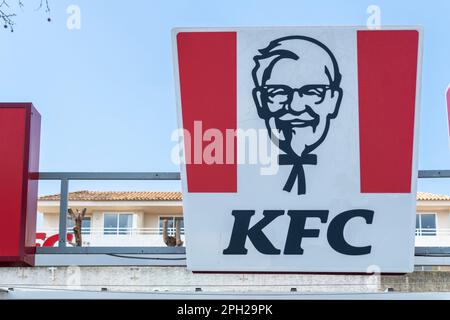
point(117, 223)
point(171, 224)
point(426, 224)
point(85, 225)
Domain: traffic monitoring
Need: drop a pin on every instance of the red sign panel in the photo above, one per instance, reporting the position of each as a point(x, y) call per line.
point(387, 75)
point(202, 80)
point(19, 164)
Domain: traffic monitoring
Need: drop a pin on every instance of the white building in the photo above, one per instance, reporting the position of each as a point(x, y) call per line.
point(115, 218)
point(135, 218)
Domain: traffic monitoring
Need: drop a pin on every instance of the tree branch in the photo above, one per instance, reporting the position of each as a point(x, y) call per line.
point(7, 11)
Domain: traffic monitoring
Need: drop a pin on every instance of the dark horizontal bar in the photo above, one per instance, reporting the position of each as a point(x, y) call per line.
point(419, 251)
point(434, 173)
point(424, 251)
point(110, 250)
point(164, 175)
point(107, 175)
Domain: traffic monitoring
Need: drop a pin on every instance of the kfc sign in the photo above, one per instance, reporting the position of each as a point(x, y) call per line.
point(298, 147)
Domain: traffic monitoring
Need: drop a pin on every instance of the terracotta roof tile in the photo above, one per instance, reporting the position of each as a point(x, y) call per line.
point(426, 196)
point(86, 195)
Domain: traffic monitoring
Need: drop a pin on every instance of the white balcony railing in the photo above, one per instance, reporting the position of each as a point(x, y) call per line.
point(110, 237)
point(433, 232)
point(143, 237)
point(437, 237)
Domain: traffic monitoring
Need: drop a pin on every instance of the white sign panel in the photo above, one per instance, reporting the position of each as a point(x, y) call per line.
point(298, 147)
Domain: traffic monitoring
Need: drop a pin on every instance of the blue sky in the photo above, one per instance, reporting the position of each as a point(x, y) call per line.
point(106, 91)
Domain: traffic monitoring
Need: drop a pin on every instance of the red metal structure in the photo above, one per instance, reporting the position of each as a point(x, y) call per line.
point(19, 166)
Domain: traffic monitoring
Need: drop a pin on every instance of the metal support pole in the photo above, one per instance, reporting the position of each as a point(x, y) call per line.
point(165, 175)
point(64, 177)
point(434, 173)
point(63, 206)
point(109, 175)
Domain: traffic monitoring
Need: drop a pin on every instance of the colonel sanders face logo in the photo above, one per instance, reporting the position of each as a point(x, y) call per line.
point(297, 93)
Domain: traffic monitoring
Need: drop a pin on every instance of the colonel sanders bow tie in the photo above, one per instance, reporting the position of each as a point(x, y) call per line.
point(297, 172)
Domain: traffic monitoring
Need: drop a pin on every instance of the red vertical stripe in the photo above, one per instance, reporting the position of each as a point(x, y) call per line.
point(12, 150)
point(387, 73)
point(448, 108)
point(207, 70)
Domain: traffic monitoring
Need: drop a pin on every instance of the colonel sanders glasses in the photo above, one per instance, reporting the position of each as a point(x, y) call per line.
point(278, 98)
